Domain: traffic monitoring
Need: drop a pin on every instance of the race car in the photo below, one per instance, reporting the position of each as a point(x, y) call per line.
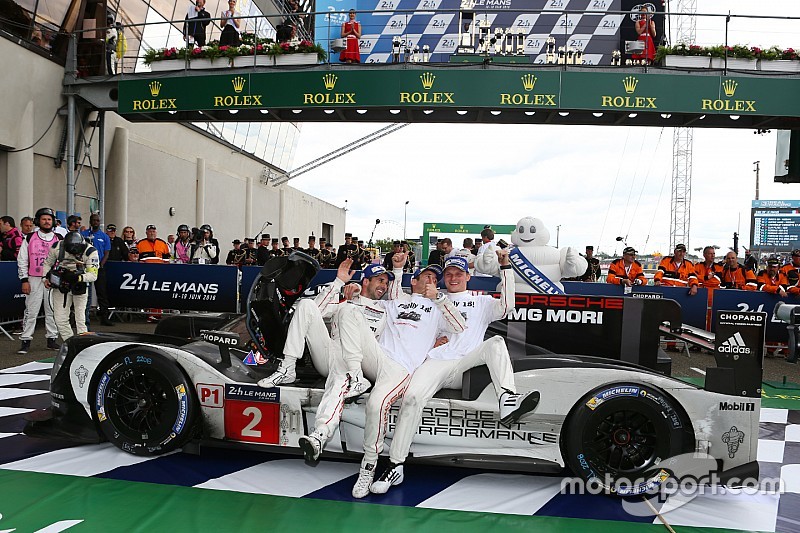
point(611, 421)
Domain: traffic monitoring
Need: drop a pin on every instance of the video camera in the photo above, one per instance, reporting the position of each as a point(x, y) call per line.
point(197, 235)
point(66, 280)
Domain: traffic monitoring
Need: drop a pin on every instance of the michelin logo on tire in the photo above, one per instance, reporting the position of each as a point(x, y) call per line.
point(734, 345)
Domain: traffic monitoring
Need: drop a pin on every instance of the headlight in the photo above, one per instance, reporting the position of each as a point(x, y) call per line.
point(60, 357)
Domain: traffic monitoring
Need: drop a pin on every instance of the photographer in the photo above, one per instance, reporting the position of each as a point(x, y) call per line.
point(183, 245)
point(202, 251)
point(70, 266)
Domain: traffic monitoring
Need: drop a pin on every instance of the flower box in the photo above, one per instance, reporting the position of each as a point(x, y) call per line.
point(205, 63)
point(779, 65)
point(296, 59)
point(162, 66)
point(686, 61)
point(247, 61)
point(740, 63)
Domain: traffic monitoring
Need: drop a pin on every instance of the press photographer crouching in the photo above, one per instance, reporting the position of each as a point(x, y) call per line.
point(69, 267)
point(202, 250)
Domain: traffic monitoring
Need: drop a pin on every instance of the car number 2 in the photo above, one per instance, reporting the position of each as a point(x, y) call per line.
point(252, 421)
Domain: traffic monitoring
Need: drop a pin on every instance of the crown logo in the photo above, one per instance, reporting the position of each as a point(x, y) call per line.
point(427, 80)
point(528, 81)
point(238, 83)
point(630, 84)
point(729, 86)
point(155, 88)
point(330, 81)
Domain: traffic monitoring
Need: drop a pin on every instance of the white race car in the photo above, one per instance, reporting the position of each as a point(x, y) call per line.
point(612, 422)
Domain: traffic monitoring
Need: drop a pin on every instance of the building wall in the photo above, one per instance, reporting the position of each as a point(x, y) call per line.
point(168, 165)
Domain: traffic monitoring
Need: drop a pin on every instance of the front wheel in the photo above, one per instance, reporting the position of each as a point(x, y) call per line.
point(143, 403)
point(618, 435)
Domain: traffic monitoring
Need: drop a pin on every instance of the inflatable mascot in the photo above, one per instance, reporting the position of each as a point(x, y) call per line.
point(539, 268)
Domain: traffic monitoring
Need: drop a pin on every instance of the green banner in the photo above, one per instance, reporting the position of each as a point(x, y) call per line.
point(517, 88)
point(449, 228)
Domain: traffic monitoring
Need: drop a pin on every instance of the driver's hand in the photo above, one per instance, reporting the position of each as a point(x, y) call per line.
point(440, 341)
point(344, 272)
point(351, 290)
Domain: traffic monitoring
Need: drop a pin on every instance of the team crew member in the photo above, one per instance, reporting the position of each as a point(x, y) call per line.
point(409, 334)
point(307, 324)
point(447, 362)
point(11, 239)
point(626, 270)
point(30, 264)
point(69, 267)
point(182, 245)
point(735, 276)
point(792, 273)
point(483, 265)
point(677, 271)
point(152, 249)
point(709, 273)
point(772, 280)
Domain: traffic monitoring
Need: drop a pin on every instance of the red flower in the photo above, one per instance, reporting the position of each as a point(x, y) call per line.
point(285, 46)
point(305, 42)
point(223, 48)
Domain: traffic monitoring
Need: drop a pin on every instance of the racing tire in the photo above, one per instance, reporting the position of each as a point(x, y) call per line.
point(143, 402)
point(618, 437)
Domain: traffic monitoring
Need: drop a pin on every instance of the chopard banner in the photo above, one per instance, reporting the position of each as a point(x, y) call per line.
point(171, 286)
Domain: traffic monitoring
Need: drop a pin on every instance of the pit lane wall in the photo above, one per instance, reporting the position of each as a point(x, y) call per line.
point(215, 288)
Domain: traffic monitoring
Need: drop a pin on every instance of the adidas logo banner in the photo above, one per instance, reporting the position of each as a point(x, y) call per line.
point(738, 345)
point(734, 344)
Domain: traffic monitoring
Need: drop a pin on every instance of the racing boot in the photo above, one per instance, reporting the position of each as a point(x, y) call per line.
point(284, 375)
point(312, 446)
point(513, 406)
point(391, 476)
point(358, 384)
point(52, 344)
point(365, 476)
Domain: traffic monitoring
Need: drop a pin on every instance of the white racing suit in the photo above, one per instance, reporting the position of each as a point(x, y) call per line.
point(30, 262)
point(89, 262)
point(447, 363)
point(308, 327)
point(409, 333)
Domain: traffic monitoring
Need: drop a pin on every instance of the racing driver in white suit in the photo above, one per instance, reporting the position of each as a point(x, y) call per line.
point(447, 362)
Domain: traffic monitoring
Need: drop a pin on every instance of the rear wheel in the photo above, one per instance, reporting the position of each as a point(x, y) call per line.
point(618, 436)
point(144, 404)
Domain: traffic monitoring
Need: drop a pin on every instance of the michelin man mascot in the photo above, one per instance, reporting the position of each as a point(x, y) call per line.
point(538, 267)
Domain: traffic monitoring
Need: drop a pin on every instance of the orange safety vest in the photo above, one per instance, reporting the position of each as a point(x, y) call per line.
point(616, 273)
point(671, 275)
point(153, 252)
point(708, 277)
point(738, 278)
point(767, 284)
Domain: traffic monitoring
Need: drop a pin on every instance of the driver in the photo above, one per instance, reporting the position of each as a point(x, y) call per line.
point(447, 362)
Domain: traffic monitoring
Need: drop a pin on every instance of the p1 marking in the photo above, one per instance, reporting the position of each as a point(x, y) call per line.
point(210, 395)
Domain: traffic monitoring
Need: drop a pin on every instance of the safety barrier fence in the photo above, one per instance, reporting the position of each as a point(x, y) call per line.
point(221, 288)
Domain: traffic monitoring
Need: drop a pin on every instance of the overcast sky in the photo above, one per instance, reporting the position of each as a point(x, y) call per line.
point(565, 175)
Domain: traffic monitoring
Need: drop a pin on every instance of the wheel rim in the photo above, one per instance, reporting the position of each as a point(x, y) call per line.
point(143, 403)
point(625, 441)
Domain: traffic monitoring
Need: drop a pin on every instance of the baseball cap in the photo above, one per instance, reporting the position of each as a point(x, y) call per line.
point(375, 269)
point(149, 227)
point(236, 241)
point(133, 250)
point(629, 250)
point(111, 227)
point(436, 269)
point(458, 262)
point(795, 253)
point(773, 261)
point(680, 247)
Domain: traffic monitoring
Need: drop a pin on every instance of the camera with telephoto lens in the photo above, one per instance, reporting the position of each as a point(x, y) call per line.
point(197, 235)
point(66, 280)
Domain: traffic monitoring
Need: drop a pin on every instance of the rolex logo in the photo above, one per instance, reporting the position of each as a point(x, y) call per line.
point(630, 83)
point(729, 86)
point(155, 88)
point(528, 81)
point(238, 83)
point(427, 80)
point(330, 81)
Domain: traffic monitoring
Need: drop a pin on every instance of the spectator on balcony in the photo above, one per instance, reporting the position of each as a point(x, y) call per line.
point(231, 26)
point(197, 18)
point(351, 30)
point(285, 32)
